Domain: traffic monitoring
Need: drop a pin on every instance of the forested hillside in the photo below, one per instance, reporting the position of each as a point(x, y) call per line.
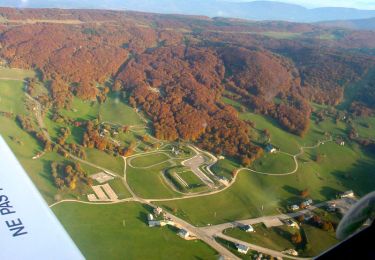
point(177, 69)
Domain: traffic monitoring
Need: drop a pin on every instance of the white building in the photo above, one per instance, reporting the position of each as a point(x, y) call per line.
point(183, 233)
point(242, 248)
point(248, 228)
point(291, 223)
point(294, 207)
point(347, 194)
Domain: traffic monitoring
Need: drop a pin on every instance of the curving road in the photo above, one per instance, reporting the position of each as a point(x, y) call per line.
point(205, 234)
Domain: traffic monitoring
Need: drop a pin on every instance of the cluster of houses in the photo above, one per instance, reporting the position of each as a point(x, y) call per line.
point(159, 219)
point(304, 204)
point(176, 151)
point(104, 132)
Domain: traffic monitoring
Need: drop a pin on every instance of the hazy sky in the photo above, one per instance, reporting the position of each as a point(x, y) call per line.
point(359, 4)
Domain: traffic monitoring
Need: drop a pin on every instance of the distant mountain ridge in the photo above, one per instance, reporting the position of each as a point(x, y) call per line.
point(256, 10)
point(360, 24)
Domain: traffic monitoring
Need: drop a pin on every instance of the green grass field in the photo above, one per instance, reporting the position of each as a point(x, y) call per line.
point(319, 240)
point(149, 160)
point(120, 231)
point(191, 179)
point(113, 111)
point(274, 163)
point(12, 97)
point(116, 111)
point(82, 110)
point(149, 183)
point(365, 126)
point(119, 188)
point(243, 200)
point(115, 164)
point(276, 238)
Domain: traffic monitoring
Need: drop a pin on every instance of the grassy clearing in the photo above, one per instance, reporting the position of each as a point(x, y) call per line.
point(54, 130)
point(276, 238)
point(113, 110)
point(281, 35)
point(116, 111)
point(12, 97)
point(18, 74)
point(365, 126)
point(115, 164)
point(274, 163)
point(82, 110)
point(149, 160)
point(119, 231)
point(149, 183)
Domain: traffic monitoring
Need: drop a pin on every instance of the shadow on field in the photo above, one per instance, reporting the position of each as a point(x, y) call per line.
point(143, 214)
point(329, 192)
point(292, 190)
point(359, 177)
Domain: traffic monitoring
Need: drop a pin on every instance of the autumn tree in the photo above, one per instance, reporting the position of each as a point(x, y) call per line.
point(296, 238)
point(305, 193)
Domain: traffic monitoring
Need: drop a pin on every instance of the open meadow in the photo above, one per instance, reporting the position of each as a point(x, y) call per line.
point(111, 231)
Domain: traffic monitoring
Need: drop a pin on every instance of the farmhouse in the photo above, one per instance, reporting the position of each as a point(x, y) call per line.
point(270, 149)
point(331, 207)
point(183, 233)
point(242, 248)
point(306, 203)
point(294, 207)
point(291, 223)
point(248, 228)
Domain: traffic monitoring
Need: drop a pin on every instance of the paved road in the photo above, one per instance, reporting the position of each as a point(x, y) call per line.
point(193, 164)
point(215, 229)
point(206, 234)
